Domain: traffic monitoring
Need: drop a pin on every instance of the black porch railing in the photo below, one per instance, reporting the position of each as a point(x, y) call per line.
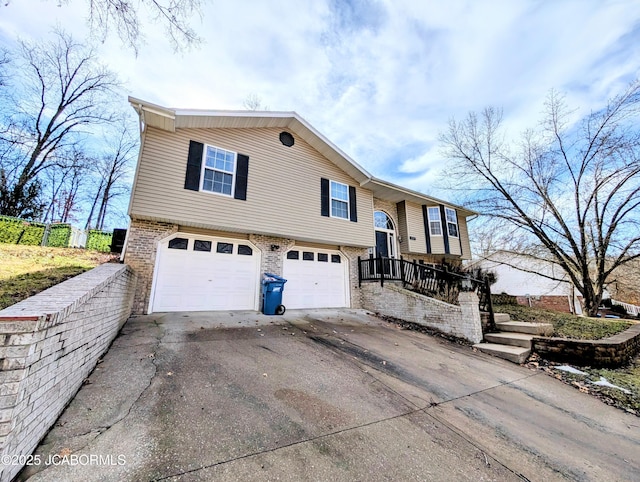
point(437, 283)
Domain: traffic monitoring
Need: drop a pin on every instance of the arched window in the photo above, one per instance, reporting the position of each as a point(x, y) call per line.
point(382, 221)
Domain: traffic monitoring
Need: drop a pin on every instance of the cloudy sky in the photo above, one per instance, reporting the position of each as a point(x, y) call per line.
point(379, 78)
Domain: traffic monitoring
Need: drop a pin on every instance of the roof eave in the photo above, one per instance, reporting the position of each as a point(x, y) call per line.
point(382, 188)
point(171, 119)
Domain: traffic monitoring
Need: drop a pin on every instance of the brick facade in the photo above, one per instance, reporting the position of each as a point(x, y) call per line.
point(272, 259)
point(51, 343)
point(140, 254)
point(143, 240)
point(352, 255)
point(392, 300)
point(555, 303)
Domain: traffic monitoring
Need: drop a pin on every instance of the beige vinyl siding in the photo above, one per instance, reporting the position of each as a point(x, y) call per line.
point(210, 232)
point(454, 245)
point(415, 228)
point(307, 244)
point(464, 237)
point(411, 224)
point(437, 242)
point(402, 227)
point(283, 190)
point(414, 222)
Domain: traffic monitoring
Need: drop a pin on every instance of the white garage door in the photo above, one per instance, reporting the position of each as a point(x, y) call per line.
point(315, 279)
point(200, 273)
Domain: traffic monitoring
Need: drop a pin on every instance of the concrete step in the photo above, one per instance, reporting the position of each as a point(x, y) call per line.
point(543, 329)
point(501, 317)
point(510, 338)
point(515, 354)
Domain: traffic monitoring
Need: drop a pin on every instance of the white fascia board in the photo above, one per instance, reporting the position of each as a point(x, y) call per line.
point(152, 108)
point(412, 193)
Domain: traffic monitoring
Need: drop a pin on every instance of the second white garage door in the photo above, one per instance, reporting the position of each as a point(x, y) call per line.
point(200, 273)
point(315, 279)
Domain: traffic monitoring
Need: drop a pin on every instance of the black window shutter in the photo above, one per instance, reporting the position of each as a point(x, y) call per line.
point(242, 174)
point(324, 196)
point(445, 230)
point(459, 235)
point(427, 229)
point(194, 164)
point(353, 209)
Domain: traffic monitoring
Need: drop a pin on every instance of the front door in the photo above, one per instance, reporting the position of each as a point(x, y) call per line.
point(382, 245)
point(385, 240)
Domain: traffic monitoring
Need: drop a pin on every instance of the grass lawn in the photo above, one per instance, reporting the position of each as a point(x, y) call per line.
point(566, 325)
point(27, 270)
point(627, 377)
point(570, 326)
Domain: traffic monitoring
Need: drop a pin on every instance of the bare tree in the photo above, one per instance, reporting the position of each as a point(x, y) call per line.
point(4, 64)
point(127, 17)
point(61, 91)
point(572, 187)
point(625, 285)
point(112, 170)
point(254, 102)
point(64, 183)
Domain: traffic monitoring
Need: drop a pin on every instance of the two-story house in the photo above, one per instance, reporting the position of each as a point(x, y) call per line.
point(220, 197)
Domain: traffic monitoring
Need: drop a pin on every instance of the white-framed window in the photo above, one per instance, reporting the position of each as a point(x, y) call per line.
point(435, 225)
point(219, 170)
point(452, 222)
point(339, 200)
point(382, 220)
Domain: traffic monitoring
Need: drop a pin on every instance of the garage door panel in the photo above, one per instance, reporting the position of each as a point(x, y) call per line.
point(188, 280)
point(315, 284)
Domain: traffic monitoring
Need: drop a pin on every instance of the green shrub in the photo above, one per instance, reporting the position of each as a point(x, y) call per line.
point(20, 231)
point(59, 235)
point(99, 240)
point(503, 299)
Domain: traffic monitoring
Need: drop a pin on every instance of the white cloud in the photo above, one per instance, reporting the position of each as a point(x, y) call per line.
point(380, 79)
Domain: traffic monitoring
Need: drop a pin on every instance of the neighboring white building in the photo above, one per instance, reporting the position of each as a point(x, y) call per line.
point(533, 282)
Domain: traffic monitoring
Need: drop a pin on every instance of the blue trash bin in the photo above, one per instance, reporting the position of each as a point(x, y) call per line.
point(272, 288)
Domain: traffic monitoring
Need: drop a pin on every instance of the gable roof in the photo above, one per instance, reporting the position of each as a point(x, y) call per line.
point(170, 119)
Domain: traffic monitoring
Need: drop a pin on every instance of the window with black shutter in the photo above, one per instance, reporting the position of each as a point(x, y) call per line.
point(217, 170)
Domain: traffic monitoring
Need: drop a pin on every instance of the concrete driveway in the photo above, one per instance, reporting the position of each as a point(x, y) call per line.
point(325, 395)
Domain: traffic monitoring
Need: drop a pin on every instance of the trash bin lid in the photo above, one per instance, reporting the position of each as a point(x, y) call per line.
point(273, 277)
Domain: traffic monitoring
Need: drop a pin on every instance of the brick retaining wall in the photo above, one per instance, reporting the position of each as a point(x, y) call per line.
point(49, 344)
point(614, 351)
point(392, 300)
point(556, 302)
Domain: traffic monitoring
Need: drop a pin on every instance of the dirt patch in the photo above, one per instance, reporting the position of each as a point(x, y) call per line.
point(627, 378)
